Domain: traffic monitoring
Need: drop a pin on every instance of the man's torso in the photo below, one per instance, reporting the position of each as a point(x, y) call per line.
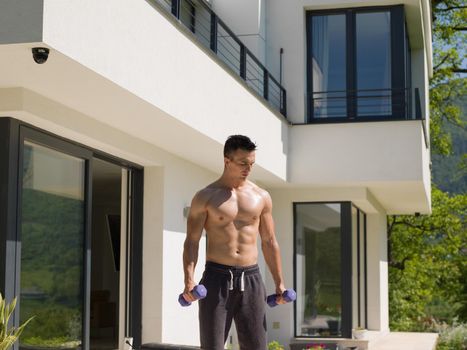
point(232, 224)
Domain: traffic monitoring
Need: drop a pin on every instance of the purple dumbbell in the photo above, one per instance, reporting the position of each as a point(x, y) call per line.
point(288, 295)
point(199, 292)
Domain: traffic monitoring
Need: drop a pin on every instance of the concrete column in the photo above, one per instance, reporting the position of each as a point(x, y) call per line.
point(377, 268)
point(152, 254)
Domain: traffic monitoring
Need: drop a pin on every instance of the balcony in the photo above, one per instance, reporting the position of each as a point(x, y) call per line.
point(210, 31)
point(366, 105)
point(390, 158)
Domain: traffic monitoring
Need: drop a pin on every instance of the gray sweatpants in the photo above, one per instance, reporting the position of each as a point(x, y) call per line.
point(234, 293)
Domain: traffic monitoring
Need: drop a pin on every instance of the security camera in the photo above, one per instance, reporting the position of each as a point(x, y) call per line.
point(40, 54)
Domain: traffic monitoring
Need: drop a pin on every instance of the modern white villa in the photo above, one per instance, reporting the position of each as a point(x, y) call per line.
point(114, 113)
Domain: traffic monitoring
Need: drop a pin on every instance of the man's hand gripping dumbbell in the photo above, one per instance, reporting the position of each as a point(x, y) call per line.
point(286, 296)
point(198, 292)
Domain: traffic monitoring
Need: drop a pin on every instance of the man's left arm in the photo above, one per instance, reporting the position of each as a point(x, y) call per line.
point(269, 245)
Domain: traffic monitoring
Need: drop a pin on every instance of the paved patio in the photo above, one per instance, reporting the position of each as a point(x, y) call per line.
point(377, 341)
point(405, 341)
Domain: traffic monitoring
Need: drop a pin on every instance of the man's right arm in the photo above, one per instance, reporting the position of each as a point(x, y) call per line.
point(195, 224)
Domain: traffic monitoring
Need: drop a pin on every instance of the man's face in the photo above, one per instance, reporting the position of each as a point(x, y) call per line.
point(239, 163)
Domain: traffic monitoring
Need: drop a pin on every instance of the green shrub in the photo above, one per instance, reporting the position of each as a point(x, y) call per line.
point(275, 345)
point(8, 336)
point(453, 337)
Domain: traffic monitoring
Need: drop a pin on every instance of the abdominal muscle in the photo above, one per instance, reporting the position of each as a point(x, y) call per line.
point(229, 246)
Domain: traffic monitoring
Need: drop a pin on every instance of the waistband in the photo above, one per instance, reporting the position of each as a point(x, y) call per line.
point(235, 270)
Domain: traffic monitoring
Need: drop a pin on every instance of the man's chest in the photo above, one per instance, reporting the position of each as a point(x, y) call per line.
point(238, 206)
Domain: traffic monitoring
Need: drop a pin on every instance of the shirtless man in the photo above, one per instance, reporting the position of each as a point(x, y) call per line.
point(233, 211)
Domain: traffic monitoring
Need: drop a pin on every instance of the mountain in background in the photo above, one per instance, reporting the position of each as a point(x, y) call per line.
point(449, 173)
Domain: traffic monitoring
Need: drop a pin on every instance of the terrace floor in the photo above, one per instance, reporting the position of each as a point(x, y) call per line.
point(376, 341)
point(405, 341)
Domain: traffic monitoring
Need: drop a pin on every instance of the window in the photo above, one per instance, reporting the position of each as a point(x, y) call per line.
point(358, 64)
point(330, 269)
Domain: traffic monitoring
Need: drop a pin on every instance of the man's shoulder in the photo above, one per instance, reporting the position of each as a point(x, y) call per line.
point(206, 193)
point(260, 191)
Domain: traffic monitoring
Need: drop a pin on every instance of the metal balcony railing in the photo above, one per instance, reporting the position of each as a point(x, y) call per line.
point(211, 31)
point(393, 103)
point(366, 105)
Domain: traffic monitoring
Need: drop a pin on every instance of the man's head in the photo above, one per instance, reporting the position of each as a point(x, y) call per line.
point(239, 156)
point(236, 142)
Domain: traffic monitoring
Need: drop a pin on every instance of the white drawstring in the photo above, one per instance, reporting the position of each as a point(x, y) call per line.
point(231, 280)
point(242, 282)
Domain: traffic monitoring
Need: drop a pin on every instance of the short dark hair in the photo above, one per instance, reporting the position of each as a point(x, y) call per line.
point(235, 142)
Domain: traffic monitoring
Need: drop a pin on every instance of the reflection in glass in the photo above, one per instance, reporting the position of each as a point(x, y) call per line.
point(329, 66)
point(373, 40)
point(318, 272)
point(52, 231)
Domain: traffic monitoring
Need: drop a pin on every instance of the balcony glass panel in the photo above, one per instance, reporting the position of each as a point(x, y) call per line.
point(329, 66)
point(373, 52)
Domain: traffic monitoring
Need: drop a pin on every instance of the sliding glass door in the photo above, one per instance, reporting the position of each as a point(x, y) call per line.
point(330, 269)
point(55, 195)
point(53, 231)
point(318, 240)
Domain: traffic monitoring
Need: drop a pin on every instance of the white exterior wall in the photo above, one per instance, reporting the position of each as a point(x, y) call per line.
point(153, 254)
point(377, 270)
point(374, 155)
point(247, 19)
point(120, 32)
point(420, 78)
point(130, 59)
point(182, 182)
point(171, 189)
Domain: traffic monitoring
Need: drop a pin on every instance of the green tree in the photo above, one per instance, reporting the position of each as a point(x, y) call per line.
point(448, 83)
point(427, 263)
point(449, 172)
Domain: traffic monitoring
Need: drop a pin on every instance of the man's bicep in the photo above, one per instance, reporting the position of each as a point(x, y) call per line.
point(195, 225)
point(196, 218)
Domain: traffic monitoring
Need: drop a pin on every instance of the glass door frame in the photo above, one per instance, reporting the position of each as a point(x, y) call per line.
point(59, 145)
point(346, 267)
point(13, 133)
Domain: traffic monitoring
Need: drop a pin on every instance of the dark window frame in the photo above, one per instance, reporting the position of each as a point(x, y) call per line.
point(398, 40)
point(346, 265)
point(362, 259)
point(13, 132)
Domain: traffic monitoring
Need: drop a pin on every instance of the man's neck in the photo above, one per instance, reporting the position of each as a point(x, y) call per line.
point(230, 182)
